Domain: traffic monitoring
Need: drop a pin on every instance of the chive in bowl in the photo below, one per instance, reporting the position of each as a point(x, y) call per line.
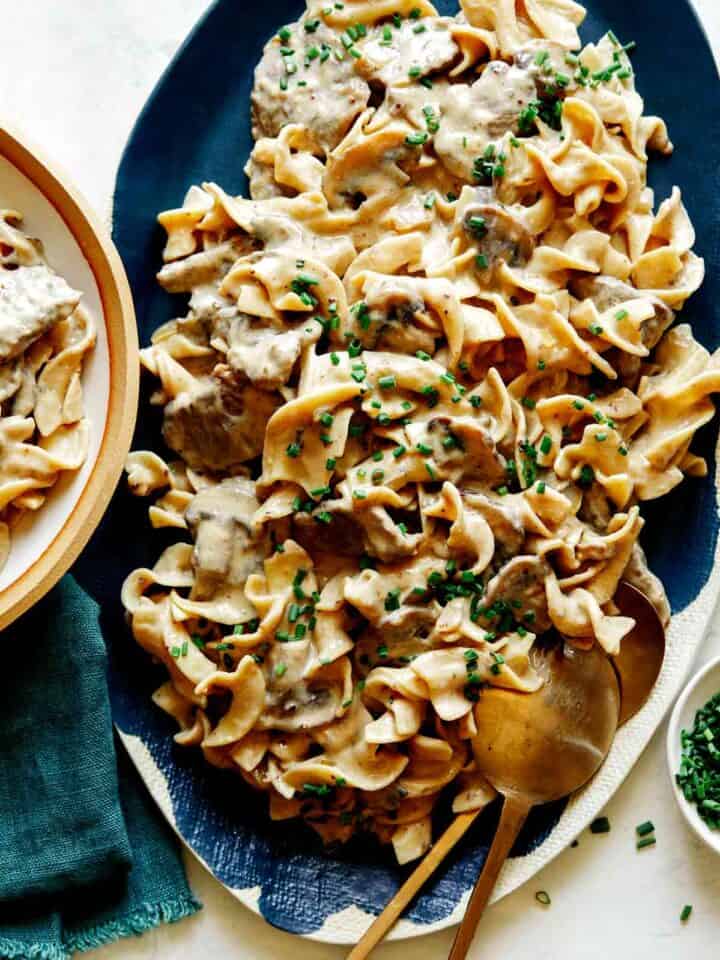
point(702, 687)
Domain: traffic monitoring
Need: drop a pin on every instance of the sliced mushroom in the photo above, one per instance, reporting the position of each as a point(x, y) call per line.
point(523, 580)
point(220, 518)
point(607, 292)
point(473, 456)
point(400, 319)
point(499, 234)
point(220, 424)
point(303, 707)
point(504, 520)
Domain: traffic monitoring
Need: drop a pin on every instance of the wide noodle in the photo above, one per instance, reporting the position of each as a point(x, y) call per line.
point(427, 377)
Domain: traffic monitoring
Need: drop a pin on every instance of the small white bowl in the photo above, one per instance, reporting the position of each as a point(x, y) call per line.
point(696, 694)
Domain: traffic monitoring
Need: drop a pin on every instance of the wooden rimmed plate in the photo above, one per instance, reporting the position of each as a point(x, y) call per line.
point(45, 545)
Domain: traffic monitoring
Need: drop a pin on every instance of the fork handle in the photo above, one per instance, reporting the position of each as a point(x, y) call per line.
point(457, 829)
point(514, 814)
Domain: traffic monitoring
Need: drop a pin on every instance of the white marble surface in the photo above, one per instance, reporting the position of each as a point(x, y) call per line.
point(76, 75)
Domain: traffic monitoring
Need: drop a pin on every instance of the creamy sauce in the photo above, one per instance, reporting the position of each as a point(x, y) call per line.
point(424, 383)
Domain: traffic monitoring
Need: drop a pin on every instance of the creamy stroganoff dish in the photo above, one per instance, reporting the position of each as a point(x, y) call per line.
point(428, 374)
point(45, 335)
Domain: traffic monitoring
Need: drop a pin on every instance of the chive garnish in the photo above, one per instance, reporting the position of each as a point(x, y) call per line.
point(416, 139)
point(600, 825)
point(699, 775)
point(644, 829)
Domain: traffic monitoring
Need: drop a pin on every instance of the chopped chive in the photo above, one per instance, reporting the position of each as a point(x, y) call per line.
point(686, 911)
point(392, 600)
point(543, 897)
point(645, 828)
point(600, 825)
point(646, 842)
point(587, 476)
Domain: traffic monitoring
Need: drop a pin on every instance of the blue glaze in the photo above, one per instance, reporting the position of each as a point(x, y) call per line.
point(195, 127)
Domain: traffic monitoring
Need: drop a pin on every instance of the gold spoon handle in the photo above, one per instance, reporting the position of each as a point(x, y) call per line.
point(514, 814)
point(457, 829)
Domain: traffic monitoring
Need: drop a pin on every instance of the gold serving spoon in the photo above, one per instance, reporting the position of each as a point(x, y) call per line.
point(538, 748)
point(642, 651)
point(535, 748)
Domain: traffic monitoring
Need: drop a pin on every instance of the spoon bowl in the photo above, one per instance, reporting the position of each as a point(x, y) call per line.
point(542, 746)
point(642, 651)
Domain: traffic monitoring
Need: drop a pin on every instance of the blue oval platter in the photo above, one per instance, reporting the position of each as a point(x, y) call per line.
point(196, 127)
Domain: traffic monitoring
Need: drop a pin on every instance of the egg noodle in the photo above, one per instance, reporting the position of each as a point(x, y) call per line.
point(44, 337)
point(427, 376)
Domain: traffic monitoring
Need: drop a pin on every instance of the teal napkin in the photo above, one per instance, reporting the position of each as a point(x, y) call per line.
point(85, 856)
